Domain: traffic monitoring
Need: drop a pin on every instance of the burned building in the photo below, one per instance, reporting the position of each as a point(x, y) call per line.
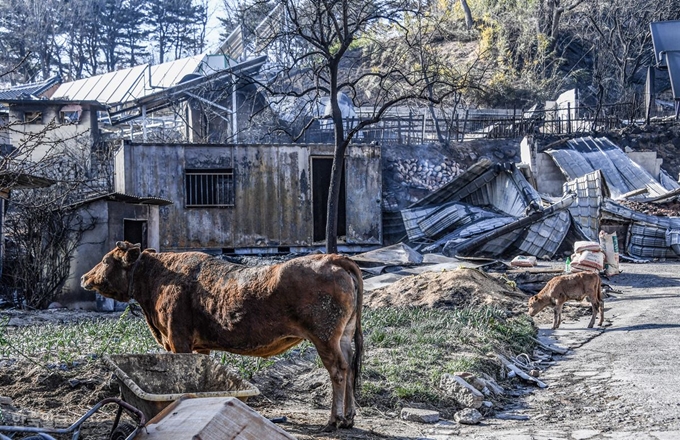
point(254, 198)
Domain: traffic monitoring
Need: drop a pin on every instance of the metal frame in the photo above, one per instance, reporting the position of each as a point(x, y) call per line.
point(75, 427)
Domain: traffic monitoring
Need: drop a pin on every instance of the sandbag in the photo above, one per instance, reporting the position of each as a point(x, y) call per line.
point(581, 246)
point(523, 261)
point(587, 260)
point(610, 248)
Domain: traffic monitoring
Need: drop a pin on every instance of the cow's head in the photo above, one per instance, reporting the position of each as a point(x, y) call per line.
point(112, 276)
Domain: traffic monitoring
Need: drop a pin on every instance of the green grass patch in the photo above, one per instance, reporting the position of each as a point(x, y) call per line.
point(408, 349)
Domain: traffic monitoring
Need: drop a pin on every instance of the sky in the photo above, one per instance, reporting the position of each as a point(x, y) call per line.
point(215, 10)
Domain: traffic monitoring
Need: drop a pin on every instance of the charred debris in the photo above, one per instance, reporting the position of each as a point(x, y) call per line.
point(493, 212)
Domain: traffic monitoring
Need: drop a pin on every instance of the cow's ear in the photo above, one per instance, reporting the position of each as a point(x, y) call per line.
point(132, 255)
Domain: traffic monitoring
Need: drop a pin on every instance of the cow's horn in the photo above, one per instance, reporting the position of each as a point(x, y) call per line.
point(137, 245)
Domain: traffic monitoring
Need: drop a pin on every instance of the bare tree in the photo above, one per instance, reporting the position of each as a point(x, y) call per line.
point(469, 22)
point(323, 52)
point(42, 226)
point(619, 36)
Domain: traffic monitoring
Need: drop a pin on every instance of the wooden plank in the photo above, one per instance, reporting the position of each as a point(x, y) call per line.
point(211, 418)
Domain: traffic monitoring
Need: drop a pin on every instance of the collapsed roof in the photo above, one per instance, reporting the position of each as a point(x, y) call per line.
point(491, 210)
point(130, 93)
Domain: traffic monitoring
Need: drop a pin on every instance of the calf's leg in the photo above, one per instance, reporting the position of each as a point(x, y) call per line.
point(595, 306)
point(557, 317)
point(601, 304)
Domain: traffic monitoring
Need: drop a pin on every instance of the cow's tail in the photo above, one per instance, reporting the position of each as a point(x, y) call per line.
point(355, 273)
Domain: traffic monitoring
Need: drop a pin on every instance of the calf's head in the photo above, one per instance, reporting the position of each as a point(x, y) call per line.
point(535, 305)
point(112, 276)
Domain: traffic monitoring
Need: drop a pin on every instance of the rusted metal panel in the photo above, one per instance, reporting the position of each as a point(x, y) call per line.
point(252, 176)
point(364, 195)
point(295, 197)
point(272, 194)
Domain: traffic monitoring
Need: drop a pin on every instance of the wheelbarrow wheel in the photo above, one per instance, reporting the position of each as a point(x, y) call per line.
point(122, 431)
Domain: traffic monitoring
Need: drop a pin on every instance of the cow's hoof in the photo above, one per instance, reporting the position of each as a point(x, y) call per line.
point(346, 424)
point(330, 427)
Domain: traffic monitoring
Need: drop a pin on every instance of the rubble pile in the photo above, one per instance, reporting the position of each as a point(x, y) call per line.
point(426, 174)
point(667, 209)
point(493, 210)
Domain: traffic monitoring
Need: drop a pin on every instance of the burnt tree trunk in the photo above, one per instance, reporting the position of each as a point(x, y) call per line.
point(468, 14)
point(338, 162)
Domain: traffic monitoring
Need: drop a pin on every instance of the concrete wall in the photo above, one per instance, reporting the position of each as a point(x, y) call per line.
point(648, 161)
point(76, 137)
point(272, 186)
point(108, 217)
point(549, 178)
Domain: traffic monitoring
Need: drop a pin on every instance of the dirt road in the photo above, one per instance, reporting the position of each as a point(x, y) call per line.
point(620, 383)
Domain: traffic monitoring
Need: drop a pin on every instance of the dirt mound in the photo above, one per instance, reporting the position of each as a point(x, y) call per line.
point(449, 289)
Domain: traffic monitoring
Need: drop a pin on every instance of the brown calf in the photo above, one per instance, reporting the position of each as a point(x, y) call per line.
point(195, 302)
point(563, 288)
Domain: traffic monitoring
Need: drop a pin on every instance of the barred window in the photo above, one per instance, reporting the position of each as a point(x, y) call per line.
point(209, 187)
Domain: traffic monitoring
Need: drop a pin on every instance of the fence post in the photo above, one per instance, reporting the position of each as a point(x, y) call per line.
point(457, 131)
point(424, 121)
point(569, 117)
point(399, 137)
point(462, 135)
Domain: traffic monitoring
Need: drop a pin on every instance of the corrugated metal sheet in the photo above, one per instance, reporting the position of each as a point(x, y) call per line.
point(647, 233)
point(481, 241)
point(119, 87)
point(665, 39)
point(585, 155)
point(461, 215)
point(667, 181)
point(618, 212)
point(673, 61)
point(650, 252)
point(508, 192)
point(411, 218)
point(468, 232)
point(545, 237)
point(572, 163)
point(434, 222)
point(590, 191)
point(478, 175)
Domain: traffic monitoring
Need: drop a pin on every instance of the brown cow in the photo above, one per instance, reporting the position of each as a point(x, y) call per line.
point(569, 287)
point(195, 302)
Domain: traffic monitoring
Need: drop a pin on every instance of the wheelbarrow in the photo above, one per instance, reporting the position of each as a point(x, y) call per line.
point(190, 396)
point(151, 382)
point(119, 431)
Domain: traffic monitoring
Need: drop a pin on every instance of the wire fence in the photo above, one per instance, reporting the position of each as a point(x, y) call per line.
point(494, 124)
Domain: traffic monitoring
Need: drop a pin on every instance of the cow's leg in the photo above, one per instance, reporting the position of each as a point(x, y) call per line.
point(179, 329)
point(348, 353)
point(333, 359)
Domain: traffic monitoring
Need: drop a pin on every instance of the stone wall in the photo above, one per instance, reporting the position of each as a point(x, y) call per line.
point(412, 171)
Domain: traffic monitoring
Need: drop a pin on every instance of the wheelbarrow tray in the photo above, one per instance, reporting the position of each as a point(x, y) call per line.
point(151, 382)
